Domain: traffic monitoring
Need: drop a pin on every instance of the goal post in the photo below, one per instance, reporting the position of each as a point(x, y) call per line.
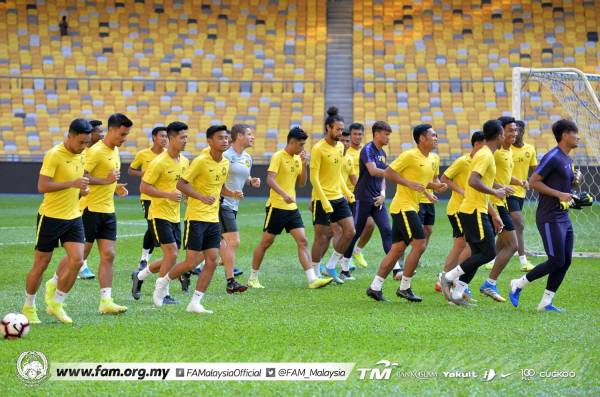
point(539, 98)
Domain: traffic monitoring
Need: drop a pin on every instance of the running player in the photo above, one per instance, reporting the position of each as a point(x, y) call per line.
point(61, 181)
point(525, 160)
point(97, 134)
point(330, 196)
point(159, 185)
point(413, 172)
point(240, 164)
point(456, 177)
point(357, 132)
point(286, 170)
point(137, 168)
point(350, 176)
point(370, 189)
point(102, 166)
point(202, 184)
point(426, 214)
point(553, 179)
point(506, 242)
point(474, 215)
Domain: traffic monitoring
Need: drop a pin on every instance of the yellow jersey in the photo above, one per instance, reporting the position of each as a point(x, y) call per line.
point(523, 159)
point(347, 170)
point(287, 168)
point(207, 177)
point(62, 166)
point(414, 166)
point(504, 167)
point(355, 154)
point(100, 160)
point(458, 172)
point(326, 163)
point(163, 172)
point(436, 171)
point(483, 163)
point(141, 161)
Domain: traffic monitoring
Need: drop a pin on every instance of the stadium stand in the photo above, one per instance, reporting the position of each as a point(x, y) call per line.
point(462, 52)
point(238, 61)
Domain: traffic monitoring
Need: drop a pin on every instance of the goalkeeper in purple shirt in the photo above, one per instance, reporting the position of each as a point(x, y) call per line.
point(553, 179)
point(370, 188)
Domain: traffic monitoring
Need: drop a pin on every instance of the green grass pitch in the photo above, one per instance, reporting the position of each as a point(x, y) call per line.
point(286, 322)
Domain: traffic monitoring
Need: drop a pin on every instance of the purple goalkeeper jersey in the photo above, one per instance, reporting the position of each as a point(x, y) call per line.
point(556, 170)
point(368, 187)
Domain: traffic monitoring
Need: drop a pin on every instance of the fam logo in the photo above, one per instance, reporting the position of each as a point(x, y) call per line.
point(32, 368)
point(383, 372)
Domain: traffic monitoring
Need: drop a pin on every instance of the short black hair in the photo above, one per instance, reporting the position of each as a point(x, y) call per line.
point(175, 128)
point(345, 132)
point(298, 134)
point(213, 129)
point(563, 126)
point(506, 120)
point(158, 129)
point(95, 123)
point(80, 126)
point(238, 129)
point(491, 129)
point(419, 130)
point(477, 137)
point(520, 124)
point(119, 120)
point(333, 116)
point(356, 126)
point(381, 126)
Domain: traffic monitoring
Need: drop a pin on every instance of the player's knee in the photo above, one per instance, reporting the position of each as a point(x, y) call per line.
point(349, 232)
point(418, 246)
point(108, 255)
point(302, 242)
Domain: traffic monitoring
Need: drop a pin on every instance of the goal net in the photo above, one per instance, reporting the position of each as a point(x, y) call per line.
point(541, 97)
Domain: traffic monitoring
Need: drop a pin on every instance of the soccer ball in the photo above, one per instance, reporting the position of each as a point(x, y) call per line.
point(14, 326)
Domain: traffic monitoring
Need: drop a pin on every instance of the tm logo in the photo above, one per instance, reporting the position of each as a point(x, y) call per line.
point(378, 373)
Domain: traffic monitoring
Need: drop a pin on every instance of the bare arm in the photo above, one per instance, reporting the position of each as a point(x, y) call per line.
point(373, 170)
point(273, 185)
point(535, 181)
point(393, 176)
point(302, 178)
point(112, 177)
point(134, 172)
point(152, 191)
point(47, 185)
point(186, 188)
point(452, 185)
point(238, 195)
point(476, 183)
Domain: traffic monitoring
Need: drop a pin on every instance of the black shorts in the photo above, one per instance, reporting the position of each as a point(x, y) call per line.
point(427, 214)
point(457, 230)
point(406, 226)
point(506, 219)
point(278, 219)
point(146, 207)
point(99, 226)
point(476, 226)
point(165, 232)
point(352, 208)
point(200, 236)
point(50, 231)
point(341, 210)
point(227, 219)
point(515, 203)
